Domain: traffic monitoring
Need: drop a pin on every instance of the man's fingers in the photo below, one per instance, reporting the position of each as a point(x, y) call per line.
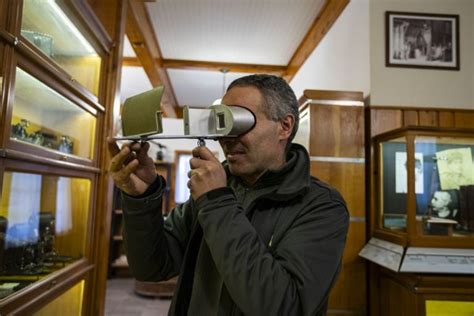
point(120, 159)
point(142, 154)
point(122, 176)
point(204, 153)
point(112, 146)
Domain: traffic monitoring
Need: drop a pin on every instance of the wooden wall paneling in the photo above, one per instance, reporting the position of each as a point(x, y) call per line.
point(395, 299)
point(338, 174)
point(410, 118)
point(428, 118)
point(340, 131)
point(446, 118)
point(464, 119)
point(383, 120)
point(352, 277)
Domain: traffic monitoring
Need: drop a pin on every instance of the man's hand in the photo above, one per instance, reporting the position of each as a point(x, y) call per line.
point(131, 168)
point(206, 172)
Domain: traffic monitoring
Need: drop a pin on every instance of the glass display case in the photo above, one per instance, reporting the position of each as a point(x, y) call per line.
point(424, 180)
point(56, 79)
point(43, 221)
point(45, 25)
point(43, 117)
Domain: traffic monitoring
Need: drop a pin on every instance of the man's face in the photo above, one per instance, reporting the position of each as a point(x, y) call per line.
point(260, 149)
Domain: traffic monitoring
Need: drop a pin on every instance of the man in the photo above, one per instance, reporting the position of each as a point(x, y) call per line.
point(258, 235)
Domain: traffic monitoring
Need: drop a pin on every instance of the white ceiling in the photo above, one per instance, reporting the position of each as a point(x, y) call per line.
point(239, 31)
point(264, 32)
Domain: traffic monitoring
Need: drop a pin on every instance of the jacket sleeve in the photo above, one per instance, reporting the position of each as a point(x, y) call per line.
point(295, 274)
point(154, 247)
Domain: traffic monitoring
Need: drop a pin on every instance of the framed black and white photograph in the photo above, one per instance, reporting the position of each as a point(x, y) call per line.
point(421, 40)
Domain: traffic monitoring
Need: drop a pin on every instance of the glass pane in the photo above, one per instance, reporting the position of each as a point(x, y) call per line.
point(46, 26)
point(393, 183)
point(69, 303)
point(1, 69)
point(43, 220)
point(445, 199)
point(44, 118)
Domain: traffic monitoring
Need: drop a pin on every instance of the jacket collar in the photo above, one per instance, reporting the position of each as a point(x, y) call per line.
point(291, 180)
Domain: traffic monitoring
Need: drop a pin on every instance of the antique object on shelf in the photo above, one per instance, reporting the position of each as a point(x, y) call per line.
point(65, 144)
point(19, 130)
point(43, 41)
point(67, 128)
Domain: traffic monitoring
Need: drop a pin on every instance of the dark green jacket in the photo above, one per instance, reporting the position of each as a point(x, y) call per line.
point(271, 249)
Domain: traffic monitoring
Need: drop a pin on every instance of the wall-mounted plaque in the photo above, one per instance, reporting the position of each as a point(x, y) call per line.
point(438, 260)
point(384, 253)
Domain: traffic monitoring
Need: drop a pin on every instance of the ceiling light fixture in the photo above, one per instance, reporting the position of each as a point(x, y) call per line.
point(224, 71)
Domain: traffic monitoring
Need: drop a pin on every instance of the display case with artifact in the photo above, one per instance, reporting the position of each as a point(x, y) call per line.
point(422, 203)
point(424, 179)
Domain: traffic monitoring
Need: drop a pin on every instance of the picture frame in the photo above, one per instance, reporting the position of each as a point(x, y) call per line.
point(422, 40)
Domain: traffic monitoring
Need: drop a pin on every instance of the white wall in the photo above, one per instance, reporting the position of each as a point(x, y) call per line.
point(342, 59)
point(422, 87)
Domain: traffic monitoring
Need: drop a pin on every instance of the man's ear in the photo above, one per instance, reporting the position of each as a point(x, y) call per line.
point(287, 124)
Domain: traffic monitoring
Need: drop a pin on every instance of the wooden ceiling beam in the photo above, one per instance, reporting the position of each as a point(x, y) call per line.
point(141, 34)
point(331, 10)
point(131, 62)
point(218, 66)
point(211, 66)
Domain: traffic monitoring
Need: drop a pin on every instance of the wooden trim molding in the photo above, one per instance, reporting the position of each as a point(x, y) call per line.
point(142, 37)
point(331, 10)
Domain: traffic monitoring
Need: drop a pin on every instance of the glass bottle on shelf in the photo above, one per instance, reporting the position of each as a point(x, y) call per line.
point(45, 118)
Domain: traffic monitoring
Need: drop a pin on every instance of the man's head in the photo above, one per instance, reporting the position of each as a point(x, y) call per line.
point(440, 200)
point(276, 111)
point(278, 97)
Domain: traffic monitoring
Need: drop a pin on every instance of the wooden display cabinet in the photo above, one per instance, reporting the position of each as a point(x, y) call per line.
point(422, 251)
point(55, 68)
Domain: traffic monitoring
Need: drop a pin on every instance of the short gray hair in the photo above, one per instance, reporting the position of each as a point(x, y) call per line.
point(278, 97)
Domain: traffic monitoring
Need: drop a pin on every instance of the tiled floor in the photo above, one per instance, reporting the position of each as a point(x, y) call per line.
point(122, 301)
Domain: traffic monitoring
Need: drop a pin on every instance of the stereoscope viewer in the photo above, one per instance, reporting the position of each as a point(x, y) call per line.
point(142, 120)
